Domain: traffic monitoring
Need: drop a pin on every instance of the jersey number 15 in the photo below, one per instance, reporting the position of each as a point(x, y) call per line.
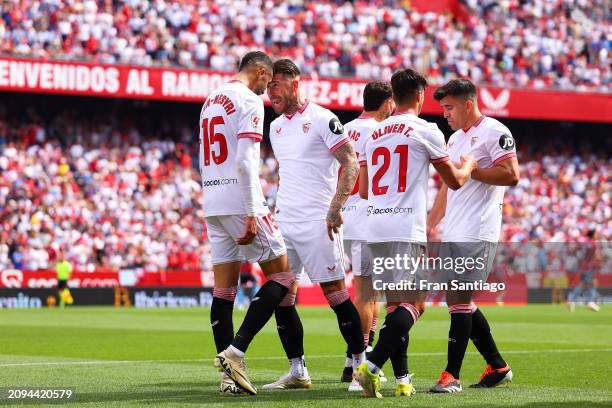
point(209, 137)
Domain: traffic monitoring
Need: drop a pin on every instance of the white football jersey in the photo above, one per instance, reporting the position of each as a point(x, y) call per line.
point(354, 210)
point(231, 112)
point(474, 212)
point(398, 154)
point(308, 171)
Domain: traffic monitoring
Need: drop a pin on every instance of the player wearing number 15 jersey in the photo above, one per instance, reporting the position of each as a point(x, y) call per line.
point(395, 162)
point(239, 224)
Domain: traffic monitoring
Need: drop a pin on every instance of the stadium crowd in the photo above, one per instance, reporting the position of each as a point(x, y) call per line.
point(111, 195)
point(563, 44)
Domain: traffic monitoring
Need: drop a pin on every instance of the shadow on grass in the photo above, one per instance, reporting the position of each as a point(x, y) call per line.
point(191, 393)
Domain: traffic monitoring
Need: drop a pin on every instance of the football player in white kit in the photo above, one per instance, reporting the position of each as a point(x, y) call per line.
point(377, 106)
point(239, 224)
point(394, 177)
point(310, 145)
point(472, 225)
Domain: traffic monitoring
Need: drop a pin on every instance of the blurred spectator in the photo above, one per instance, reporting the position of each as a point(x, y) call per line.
point(114, 194)
point(563, 44)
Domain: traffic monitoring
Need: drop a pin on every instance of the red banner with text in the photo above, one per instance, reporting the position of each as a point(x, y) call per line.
point(174, 84)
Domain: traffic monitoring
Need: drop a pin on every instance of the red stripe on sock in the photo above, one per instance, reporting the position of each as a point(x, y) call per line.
point(288, 300)
point(336, 298)
point(461, 308)
point(414, 312)
point(284, 278)
point(226, 293)
point(374, 323)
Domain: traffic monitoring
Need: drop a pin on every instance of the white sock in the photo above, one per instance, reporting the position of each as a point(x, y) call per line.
point(403, 380)
point(348, 362)
point(233, 351)
point(374, 369)
point(358, 359)
point(298, 367)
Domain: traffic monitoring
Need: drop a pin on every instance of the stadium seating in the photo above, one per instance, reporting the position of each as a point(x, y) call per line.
point(535, 43)
point(117, 199)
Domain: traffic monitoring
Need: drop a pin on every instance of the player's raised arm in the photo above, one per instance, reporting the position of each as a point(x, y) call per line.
point(247, 169)
point(453, 176)
point(345, 154)
point(438, 210)
point(363, 181)
point(504, 173)
point(250, 134)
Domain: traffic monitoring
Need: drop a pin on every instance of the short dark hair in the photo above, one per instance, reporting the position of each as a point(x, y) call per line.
point(456, 87)
point(374, 94)
point(406, 84)
point(286, 67)
point(253, 58)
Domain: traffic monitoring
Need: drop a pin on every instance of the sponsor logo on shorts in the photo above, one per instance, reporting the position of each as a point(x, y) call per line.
point(331, 268)
point(219, 182)
point(389, 210)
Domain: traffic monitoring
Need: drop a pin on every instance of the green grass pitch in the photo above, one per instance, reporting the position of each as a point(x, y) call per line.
point(163, 357)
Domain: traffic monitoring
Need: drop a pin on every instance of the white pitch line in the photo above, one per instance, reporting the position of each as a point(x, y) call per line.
point(311, 357)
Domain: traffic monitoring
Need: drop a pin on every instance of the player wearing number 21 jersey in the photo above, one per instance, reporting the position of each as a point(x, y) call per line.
point(395, 162)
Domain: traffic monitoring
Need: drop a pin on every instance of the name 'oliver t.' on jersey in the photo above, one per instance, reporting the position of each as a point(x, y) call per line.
point(398, 154)
point(231, 112)
point(303, 144)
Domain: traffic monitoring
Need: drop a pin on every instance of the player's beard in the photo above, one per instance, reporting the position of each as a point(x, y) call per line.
point(291, 105)
point(286, 105)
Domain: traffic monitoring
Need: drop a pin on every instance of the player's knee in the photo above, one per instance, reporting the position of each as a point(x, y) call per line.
point(225, 293)
point(285, 279)
point(288, 300)
point(332, 287)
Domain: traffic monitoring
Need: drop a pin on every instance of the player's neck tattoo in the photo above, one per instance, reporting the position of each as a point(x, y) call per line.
point(294, 106)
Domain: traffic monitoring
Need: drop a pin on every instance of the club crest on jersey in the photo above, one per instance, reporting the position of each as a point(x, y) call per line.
point(474, 140)
point(256, 122)
point(306, 127)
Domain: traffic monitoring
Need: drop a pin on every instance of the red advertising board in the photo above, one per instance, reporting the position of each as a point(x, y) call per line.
point(174, 84)
point(11, 278)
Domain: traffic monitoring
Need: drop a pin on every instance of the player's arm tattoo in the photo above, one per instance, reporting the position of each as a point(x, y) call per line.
point(345, 154)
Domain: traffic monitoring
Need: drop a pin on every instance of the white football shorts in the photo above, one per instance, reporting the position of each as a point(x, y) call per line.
point(309, 248)
point(223, 230)
point(360, 256)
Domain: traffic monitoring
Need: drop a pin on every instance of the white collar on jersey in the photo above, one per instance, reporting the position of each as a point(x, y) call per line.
point(478, 122)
